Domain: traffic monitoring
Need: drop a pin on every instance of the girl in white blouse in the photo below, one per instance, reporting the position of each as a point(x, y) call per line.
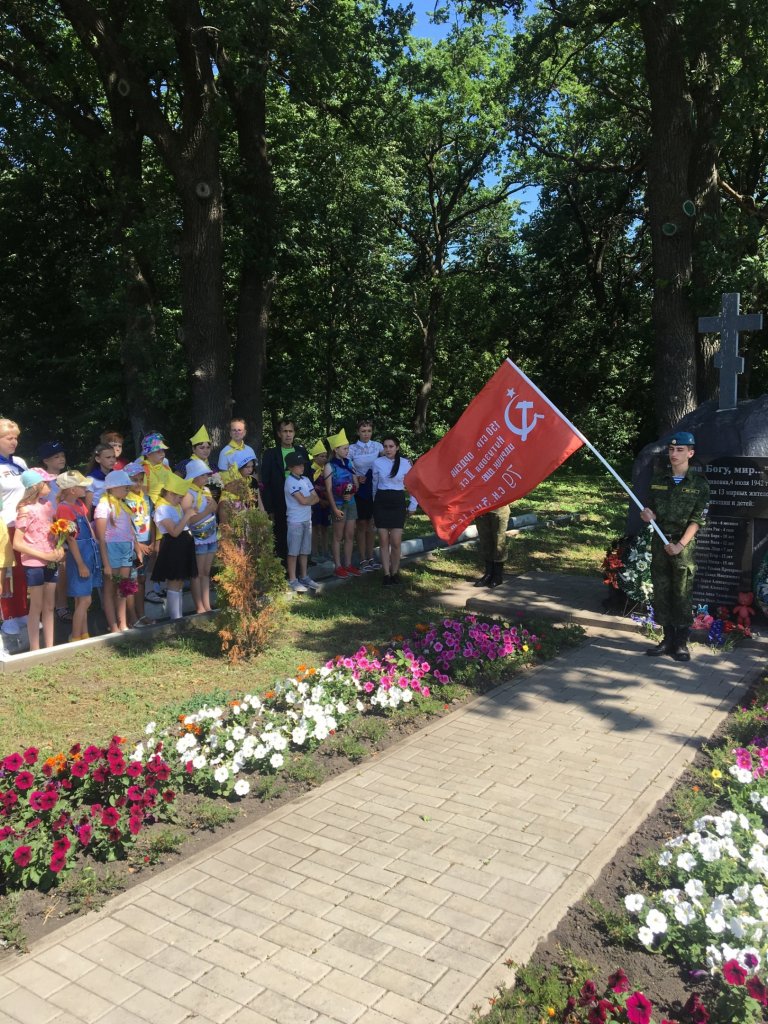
point(389, 510)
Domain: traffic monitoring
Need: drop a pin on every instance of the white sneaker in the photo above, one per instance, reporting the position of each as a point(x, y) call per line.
point(308, 583)
point(373, 564)
point(297, 586)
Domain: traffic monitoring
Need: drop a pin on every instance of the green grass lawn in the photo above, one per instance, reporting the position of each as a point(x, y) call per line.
point(88, 697)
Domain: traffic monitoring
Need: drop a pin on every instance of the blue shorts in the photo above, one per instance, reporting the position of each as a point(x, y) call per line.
point(37, 575)
point(120, 553)
point(349, 508)
point(207, 547)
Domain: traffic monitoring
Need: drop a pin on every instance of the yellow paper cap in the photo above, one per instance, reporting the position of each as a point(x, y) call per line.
point(319, 449)
point(175, 484)
point(200, 436)
point(338, 440)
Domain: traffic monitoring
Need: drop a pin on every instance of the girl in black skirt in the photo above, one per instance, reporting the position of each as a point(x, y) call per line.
point(389, 509)
point(176, 560)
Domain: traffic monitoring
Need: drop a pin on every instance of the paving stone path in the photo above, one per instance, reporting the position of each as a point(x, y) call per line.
point(394, 893)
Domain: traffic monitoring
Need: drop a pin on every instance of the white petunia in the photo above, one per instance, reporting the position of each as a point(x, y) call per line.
point(715, 922)
point(221, 774)
point(645, 936)
point(299, 736)
point(242, 787)
point(150, 727)
point(634, 902)
point(709, 850)
point(740, 894)
point(685, 913)
point(671, 896)
point(656, 921)
point(199, 762)
point(238, 733)
point(276, 760)
point(665, 858)
point(694, 888)
point(229, 746)
point(742, 775)
point(759, 896)
point(686, 861)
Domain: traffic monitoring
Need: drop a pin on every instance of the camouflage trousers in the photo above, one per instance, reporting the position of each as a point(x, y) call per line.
point(492, 534)
point(672, 578)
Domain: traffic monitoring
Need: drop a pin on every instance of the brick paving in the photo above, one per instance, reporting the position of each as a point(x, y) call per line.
point(394, 893)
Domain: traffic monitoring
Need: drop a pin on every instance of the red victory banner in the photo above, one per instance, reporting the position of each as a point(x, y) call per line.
point(509, 439)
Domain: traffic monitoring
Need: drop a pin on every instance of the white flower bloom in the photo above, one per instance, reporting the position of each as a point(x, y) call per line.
point(677, 841)
point(736, 926)
point(645, 936)
point(715, 922)
point(276, 760)
point(260, 752)
point(656, 922)
point(138, 754)
point(740, 894)
point(685, 913)
point(759, 896)
point(320, 731)
point(360, 706)
point(671, 896)
point(694, 838)
point(665, 858)
point(238, 733)
point(755, 798)
point(709, 850)
point(229, 746)
point(742, 775)
point(686, 861)
point(150, 727)
point(199, 762)
point(694, 888)
point(714, 958)
point(221, 774)
point(299, 736)
point(406, 695)
point(341, 708)
point(634, 902)
point(242, 787)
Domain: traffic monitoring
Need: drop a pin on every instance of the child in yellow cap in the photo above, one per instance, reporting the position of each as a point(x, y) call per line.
point(176, 560)
point(321, 512)
point(340, 487)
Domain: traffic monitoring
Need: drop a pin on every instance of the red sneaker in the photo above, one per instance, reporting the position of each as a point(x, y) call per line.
point(341, 572)
point(351, 570)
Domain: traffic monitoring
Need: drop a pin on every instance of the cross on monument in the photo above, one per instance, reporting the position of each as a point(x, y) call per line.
point(727, 360)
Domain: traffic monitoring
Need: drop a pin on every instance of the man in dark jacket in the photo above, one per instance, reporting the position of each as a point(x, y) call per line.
point(273, 474)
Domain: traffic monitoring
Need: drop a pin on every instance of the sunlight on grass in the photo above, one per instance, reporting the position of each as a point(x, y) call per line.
point(100, 692)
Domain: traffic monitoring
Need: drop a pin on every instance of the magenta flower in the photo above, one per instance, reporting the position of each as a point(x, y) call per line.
point(757, 990)
point(24, 780)
point(22, 855)
point(12, 763)
point(734, 973)
point(639, 1009)
point(618, 981)
point(30, 755)
point(109, 816)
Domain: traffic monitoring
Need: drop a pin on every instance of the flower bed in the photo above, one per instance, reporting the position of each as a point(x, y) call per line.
point(707, 897)
point(96, 801)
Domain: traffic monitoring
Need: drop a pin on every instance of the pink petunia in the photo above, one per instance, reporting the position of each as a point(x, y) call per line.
point(734, 973)
point(24, 780)
point(639, 1009)
point(30, 755)
point(22, 855)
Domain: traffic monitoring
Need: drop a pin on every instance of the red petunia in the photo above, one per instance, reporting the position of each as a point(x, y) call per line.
point(169, 796)
point(6, 832)
point(84, 834)
point(588, 993)
point(58, 862)
point(734, 973)
point(30, 755)
point(92, 753)
point(134, 769)
point(24, 780)
point(22, 855)
point(61, 845)
point(757, 990)
point(110, 816)
point(12, 762)
point(618, 981)
point(79, 769)
point(135, 825)
point(638, 1009)
point(114, 835)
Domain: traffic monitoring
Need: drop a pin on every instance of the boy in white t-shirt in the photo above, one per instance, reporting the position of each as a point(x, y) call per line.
point(300, 496)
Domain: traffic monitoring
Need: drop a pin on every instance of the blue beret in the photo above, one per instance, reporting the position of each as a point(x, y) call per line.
point(682, 437)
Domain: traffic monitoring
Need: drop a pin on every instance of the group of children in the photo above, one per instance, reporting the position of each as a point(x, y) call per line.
point(139, 530)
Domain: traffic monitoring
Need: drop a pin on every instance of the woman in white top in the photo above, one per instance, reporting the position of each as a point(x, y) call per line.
point(14, 605)
point(389, 511)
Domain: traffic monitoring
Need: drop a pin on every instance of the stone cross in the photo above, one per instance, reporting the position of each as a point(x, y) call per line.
point(727, 360)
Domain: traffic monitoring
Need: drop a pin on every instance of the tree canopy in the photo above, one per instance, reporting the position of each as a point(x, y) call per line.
point(293, 208)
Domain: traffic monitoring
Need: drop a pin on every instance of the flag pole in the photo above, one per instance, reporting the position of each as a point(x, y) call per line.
point(595, 452)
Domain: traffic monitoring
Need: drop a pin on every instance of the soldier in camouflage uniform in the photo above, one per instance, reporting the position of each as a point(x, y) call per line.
point(492, 541)
point(678, 503)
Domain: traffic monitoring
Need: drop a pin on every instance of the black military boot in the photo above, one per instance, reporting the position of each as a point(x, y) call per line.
point(497, 575)
point(486, 577)
point(666, 646)
point(681, 652)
